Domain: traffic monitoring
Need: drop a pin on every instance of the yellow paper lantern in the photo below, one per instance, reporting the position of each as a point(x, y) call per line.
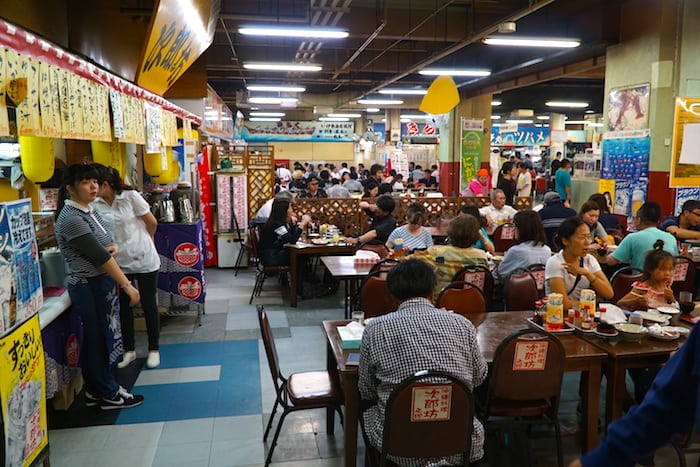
point(442, 96)
point(37, 155)
point(154, 163)
point(171, 173)
point(110, 154)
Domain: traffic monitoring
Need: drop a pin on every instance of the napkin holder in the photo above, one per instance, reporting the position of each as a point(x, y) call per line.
point(351, 335)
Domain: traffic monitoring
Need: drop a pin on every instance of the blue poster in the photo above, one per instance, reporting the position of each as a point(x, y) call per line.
point(683, 195)
point(625, 158)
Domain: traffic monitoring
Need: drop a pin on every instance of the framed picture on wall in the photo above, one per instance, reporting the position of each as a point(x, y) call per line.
point(628, 108)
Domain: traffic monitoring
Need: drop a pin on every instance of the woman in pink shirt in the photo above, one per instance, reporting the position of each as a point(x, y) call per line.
point(480, 186)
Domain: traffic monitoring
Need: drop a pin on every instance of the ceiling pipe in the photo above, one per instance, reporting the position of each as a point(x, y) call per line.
point(360, 49)
point(233, 50)
point(454, 48)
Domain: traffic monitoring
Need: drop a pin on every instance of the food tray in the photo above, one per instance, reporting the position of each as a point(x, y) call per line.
point(585, 331)
point(567, 329)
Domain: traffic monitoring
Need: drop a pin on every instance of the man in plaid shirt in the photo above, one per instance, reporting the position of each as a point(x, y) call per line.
point(417, 336)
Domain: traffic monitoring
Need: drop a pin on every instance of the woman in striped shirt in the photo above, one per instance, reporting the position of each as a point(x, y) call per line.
point(413, 234)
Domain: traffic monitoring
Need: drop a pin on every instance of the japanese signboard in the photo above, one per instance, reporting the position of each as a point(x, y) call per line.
point(20, 275)
point(521, 136)
point(685, 156)
point(178, 34)
point(472, 139)
point(530, 355)
point(431, 403)
point(23, 394)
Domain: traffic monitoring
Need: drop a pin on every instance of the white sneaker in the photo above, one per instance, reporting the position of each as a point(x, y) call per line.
point(153, 359)
point(129, 356)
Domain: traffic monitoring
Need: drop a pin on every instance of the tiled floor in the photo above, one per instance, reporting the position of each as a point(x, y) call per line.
point(208, 402)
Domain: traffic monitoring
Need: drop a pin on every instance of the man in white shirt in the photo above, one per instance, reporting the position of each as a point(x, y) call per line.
point(498, 212)
point(524, 183)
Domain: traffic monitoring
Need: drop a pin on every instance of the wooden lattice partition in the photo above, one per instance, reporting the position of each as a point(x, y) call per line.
point(261, 176)
point(346, 214)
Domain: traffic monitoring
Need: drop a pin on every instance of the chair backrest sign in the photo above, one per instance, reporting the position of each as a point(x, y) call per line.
point(476, 278)
point(530, 355)
point(681, 272)
point(508, 232)
point(431, 403)
point(539, 278)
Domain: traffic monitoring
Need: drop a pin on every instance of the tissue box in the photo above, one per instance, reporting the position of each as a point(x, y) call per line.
point(349, 339)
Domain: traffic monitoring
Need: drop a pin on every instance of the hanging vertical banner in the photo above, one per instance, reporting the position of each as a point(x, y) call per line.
point(205, 207)
point(472, 137)
point(154, 137)
point(23, 394)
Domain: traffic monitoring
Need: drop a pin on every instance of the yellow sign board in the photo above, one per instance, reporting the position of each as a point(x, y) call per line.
point(180, 31)
point(23, 393)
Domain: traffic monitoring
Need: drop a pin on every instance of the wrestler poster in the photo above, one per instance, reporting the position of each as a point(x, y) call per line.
point(23, 394)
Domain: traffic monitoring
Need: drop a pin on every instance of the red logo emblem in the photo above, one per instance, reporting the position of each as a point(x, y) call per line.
point(428, 129)
point(186, 254)
point(190, 288)
point(412, 128)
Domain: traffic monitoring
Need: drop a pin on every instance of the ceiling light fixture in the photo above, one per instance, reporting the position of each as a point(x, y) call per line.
point(573, 105)
point(282, 66)
point(575, 122)
point(453, 72)
point(380, 102)
point(520, 121)
point(495, 117)
point(542, 117)
point(344, 115)
point(293, 32)
point(560, 43)
point(275, 88)
point(372, 110)
point(334, 119)
point(264, 119)
point(407, 92)
point(267, 114)
point(415, 116)
point(595, 124)
point(273, 100)
point(496, 103)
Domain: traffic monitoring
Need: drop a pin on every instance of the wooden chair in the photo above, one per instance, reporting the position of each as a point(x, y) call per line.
point(521, 291)
point(379, 249)
point(262, 270)
point(504, 237)
point(525, 382)
point(463, 298)
point(622, 281)
point(523, 202)
point(375, 299)
point(480, 276)
point(683, 276)
point(537, 272)
point(410, 432)
point(383, 267)
point(299, 391)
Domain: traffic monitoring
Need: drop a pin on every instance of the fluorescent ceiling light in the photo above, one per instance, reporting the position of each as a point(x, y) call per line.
point(344, 115)
point(372, 110)
point(380, 102)
point(575, 122)
point(264, 119)
point(408, 92)
point(404, 120)
point(595, 125)
point(282, 66)
point(495, 124)
point(520, 121)
point(453, 72)
point(495, 117)
point(334, 119)
point(590, 111)
point(496, 103)
point(273, 88)
point(416, 116)
point(574, 105)
point(533, 42)
point(292, 32)
point(542, 117)
point(273, 100)
point(267, 114)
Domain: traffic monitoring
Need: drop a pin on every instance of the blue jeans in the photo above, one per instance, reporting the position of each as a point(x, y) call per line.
point(96, 300)
point(146, 283)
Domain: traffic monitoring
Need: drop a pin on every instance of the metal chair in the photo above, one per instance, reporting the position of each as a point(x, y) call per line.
point(683, 276)
point(521, 291)
point(412, 432)
point(504, 237)
point(482, 277)
point(525, 382)
point(263, 270)
point(246, 247)
point(622, 281)
point(383, 267)
point(464, 298)
point(299, 391)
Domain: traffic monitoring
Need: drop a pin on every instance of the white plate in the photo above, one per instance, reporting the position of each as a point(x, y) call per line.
point(653, 316)
point(672, 336)
point(602, 334)
point(320, 241)
point(669, 310)
point(680, 329)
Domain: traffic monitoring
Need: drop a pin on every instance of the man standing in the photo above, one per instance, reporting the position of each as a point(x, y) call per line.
point(498, 212)
point(687, 225)
point(416, 337)
point(553, 214)
point(383, 223)
point(562, 182)
point(635, 246)
point(556, 163)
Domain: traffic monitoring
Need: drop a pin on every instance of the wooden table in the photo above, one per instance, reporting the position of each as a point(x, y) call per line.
point(492, 328)
point(310, 249)
point(344, 268)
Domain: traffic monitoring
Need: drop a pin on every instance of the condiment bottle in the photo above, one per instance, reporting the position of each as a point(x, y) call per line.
point(587, 302)
point(538, 312)
point(554, 319)
point(577, 319)
point(570, 316)
point(603, 311)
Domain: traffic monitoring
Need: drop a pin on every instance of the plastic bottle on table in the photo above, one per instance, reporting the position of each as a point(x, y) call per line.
point(554, 319)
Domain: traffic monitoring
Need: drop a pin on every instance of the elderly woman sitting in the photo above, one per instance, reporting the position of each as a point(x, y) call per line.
point(463, 233)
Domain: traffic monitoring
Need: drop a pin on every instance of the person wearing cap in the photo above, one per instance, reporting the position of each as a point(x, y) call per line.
point(553, 214)
point(481, 185)
point(312, 189)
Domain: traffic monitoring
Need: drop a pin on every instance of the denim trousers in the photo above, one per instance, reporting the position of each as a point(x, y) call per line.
point(146, 283)
point(95, 300)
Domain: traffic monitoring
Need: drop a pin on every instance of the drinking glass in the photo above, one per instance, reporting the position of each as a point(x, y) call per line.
point(358, 316)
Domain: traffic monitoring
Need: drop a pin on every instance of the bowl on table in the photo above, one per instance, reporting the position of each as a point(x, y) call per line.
point(630, 332)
